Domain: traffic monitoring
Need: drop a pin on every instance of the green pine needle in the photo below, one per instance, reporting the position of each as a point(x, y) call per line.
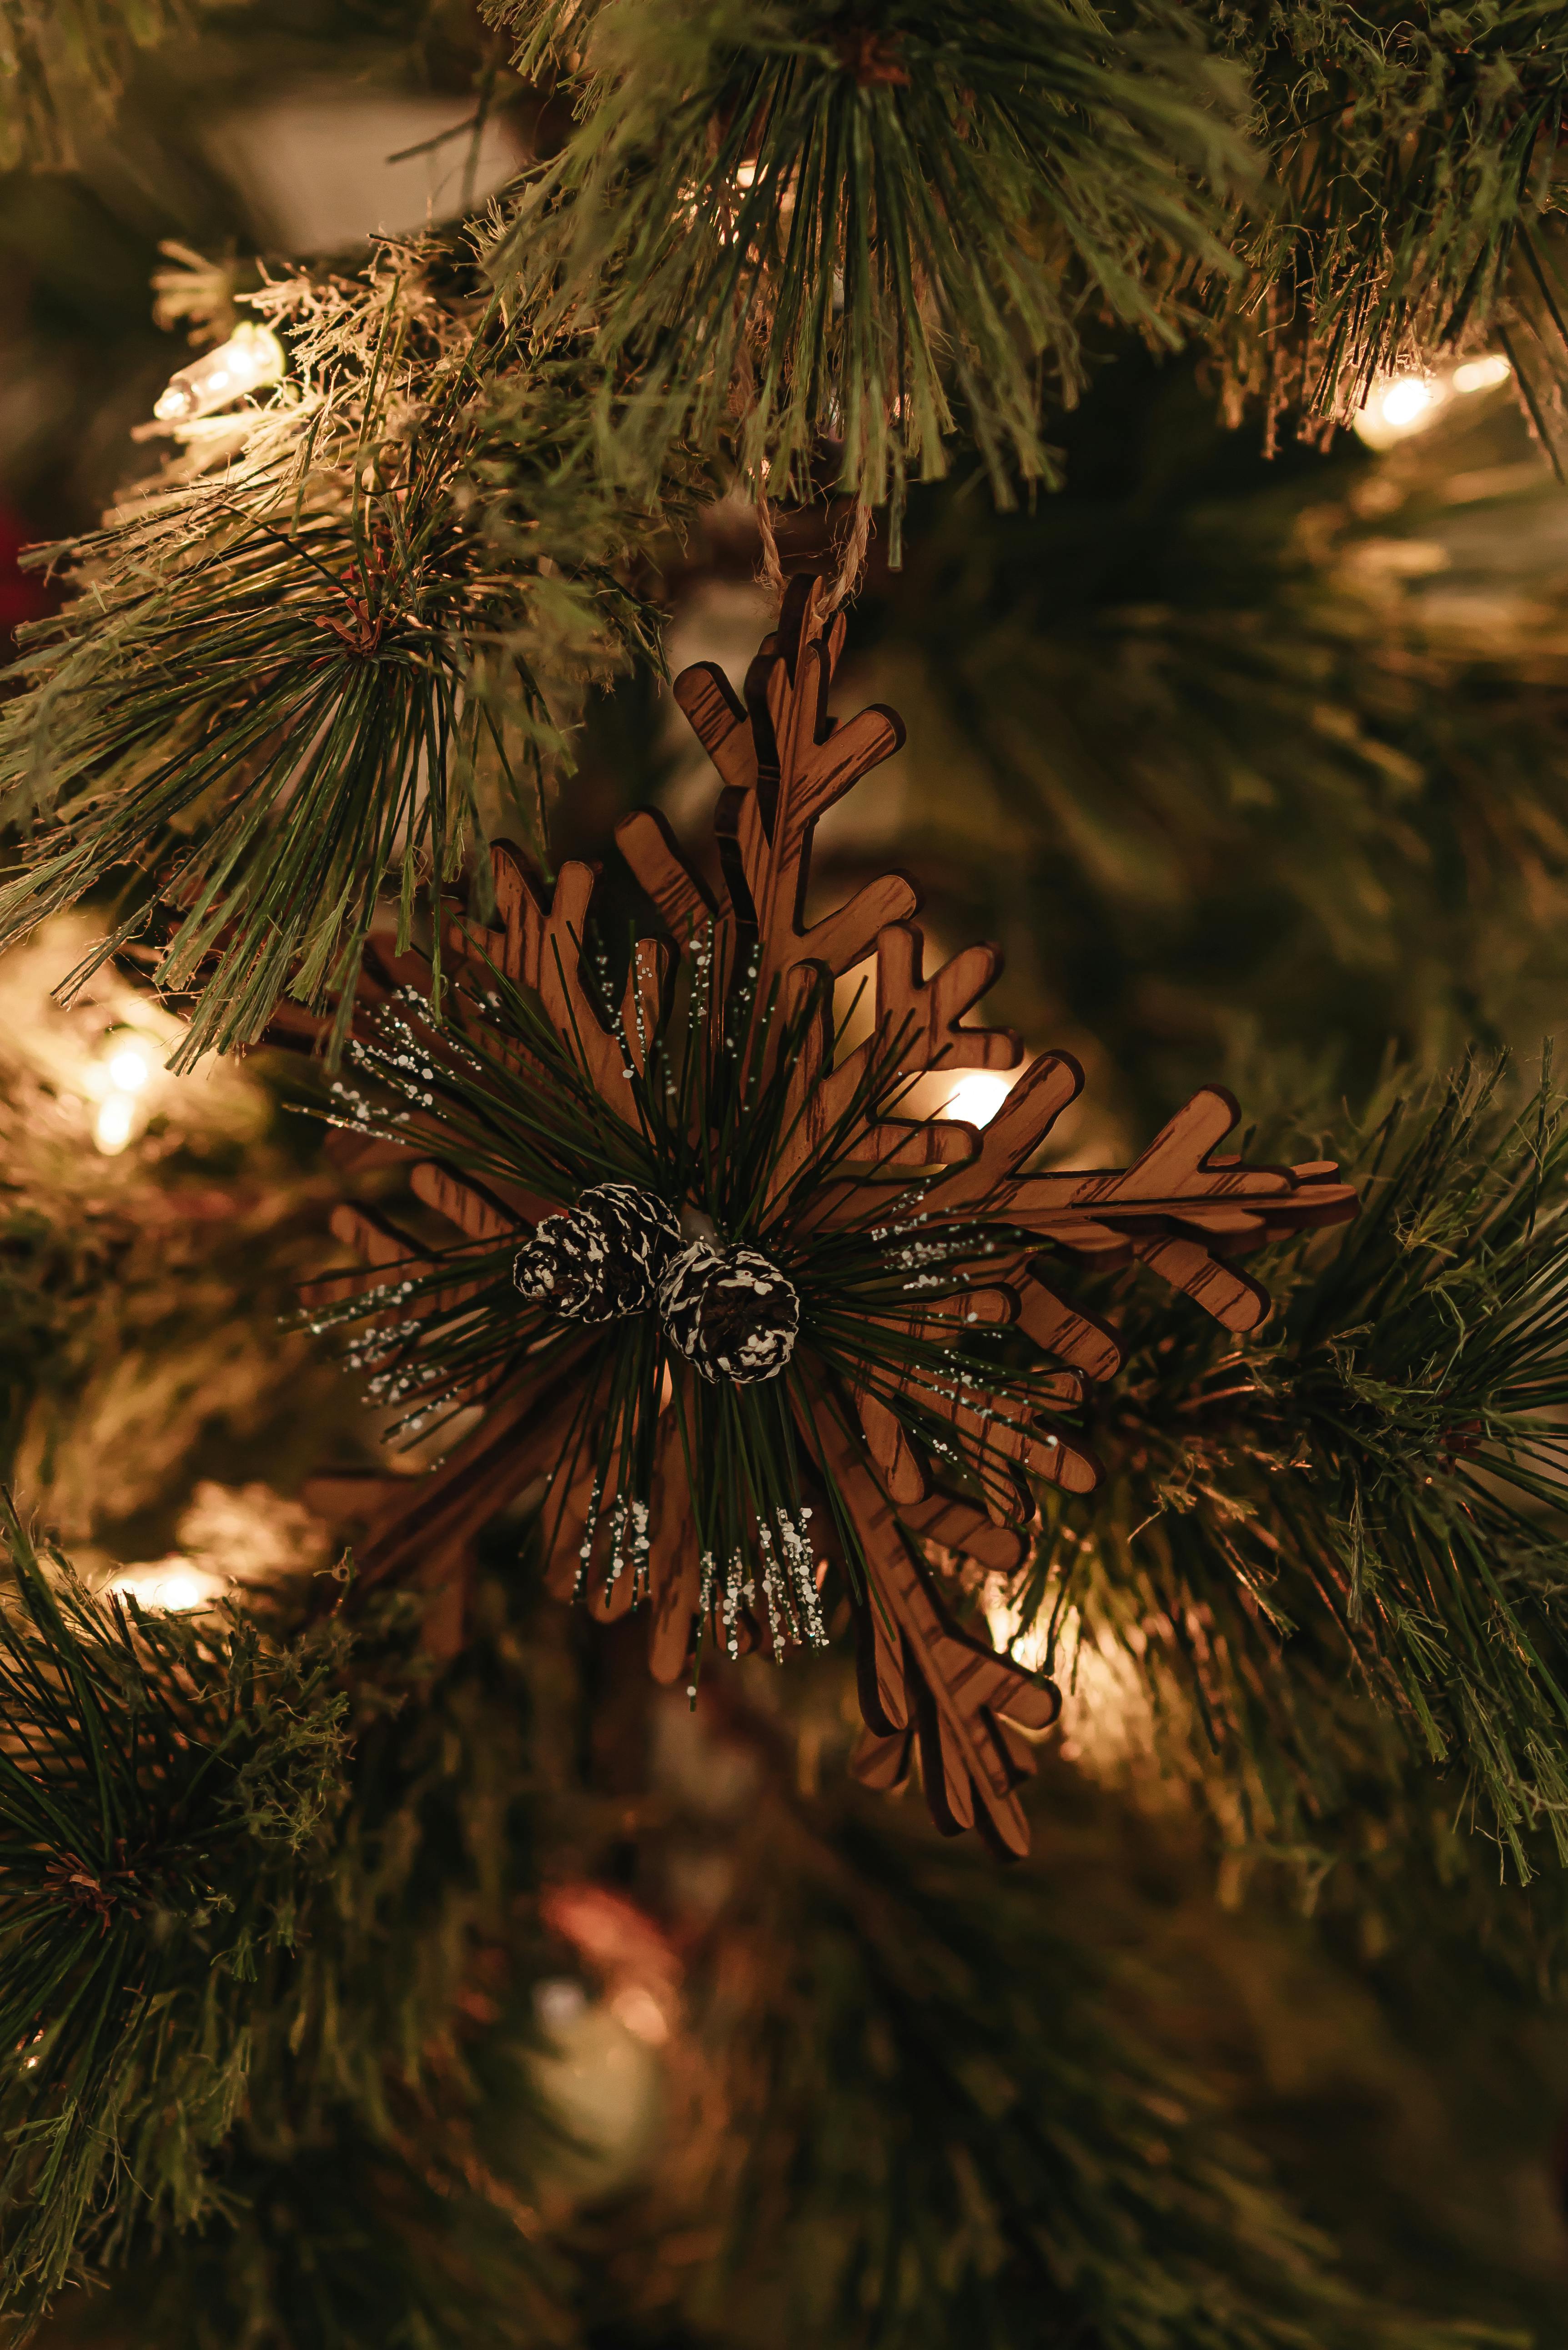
point(168, 1789)
point(63, 66)
point(973, 2141)
point(242, 1873)
point(802, 221)
point(1365, 1505)
point(341, 661)
point(1415, 154)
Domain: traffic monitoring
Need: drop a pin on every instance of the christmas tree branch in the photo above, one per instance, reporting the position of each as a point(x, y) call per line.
point(63, 67)
point(804, 225)
point(241, 1874)
point(354, 2241)
point(1207, 736)
point(850, 228)
point(1365, 1503)
point(343, 657)
point(1415, 159)
point(168, 1792)
point(974, 2138)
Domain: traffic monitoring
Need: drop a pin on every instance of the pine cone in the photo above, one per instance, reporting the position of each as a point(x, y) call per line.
point(603, 1258)
point(728, 1310)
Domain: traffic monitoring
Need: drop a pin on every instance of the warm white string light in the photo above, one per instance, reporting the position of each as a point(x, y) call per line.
point(1402, 404)
point(1107, 1718)
point(127, 1069)
point(175, 1586)
point(125, 1077)
point(252, 358)
point(114, 1125)
point(977, 1096)
point(1480, 375)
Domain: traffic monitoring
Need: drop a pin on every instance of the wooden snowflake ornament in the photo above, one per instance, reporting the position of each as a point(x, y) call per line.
point(738, 1313)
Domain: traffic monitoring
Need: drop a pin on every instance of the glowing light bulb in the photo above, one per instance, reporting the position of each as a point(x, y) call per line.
point(172, 1585)
point(1479, 375)
point(113, 1125)
point(746, 175)
point(250, 359)
point(179, 1591)
point(1406, 401)
point(977, 1096)
point(1399, 405)
point(128, 1070)
point(1004, 1621)
point(1409, 403)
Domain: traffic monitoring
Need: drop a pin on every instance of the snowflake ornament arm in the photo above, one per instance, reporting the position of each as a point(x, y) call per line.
point(719, 1294)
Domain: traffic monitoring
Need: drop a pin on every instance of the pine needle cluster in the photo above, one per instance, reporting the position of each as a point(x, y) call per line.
point(977, 2139)
point(1334, 1554)
point(814, 246)
point(804, 224)
point(169, 1795)
point(349, 2243)
point(241, 1872)
point(855, 236)
point(1414, 183)
point(857, 230)
point(340, 658)
point(1208, 738)
point(978, 2135)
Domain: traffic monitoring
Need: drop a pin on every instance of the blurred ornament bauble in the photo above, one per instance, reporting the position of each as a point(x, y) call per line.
point(601, 2082)
point(599, 2068)
point(860, 1355)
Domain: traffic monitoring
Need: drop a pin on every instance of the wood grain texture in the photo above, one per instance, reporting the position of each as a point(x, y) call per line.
point(920, 1674)
point(850, 1157)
